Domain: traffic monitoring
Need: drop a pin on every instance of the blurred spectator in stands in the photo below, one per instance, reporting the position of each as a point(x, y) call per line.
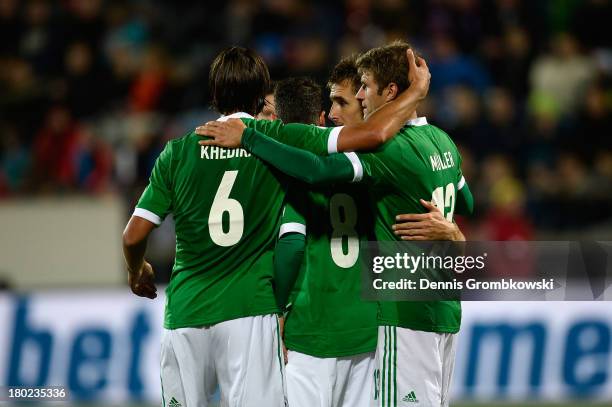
point(124, 43)
point(589, 20)
point(93, 161)
point(22, 96)
point(55, 148)
point(529, 15)
point(462, 117)
point(125, 30)
point(506, 218)
point(579, 197)
point(490, 170)
point(508, 57)
point(308, 56)
point(450, 68)
point(603, 176)
point(239, 16)
point(563, 75)
point(468, 24)
point(504, 133)
point(575, 181)
point(593, 132)
point(85, 84)
point(14, 160)
point(10, 28)
point(541, 144)
point(394, 17)
point(147, 148)
point(150, 82)
point(86, 22)
point(42, 40)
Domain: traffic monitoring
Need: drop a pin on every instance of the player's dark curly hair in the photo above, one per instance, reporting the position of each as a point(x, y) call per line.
point(238, 81)
point(298, 100)
point(387, 64)
point(346, 70)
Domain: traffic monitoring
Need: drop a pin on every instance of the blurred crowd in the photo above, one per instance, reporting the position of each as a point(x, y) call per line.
point(90, 91)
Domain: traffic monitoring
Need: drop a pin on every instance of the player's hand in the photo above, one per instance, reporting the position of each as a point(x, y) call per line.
point(142, 282)
point(281, 324)
point(418, 73)
point(226, 134)
point(426, 226)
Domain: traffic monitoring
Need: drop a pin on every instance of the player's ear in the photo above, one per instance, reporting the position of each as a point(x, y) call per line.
point(322, 118)
point(391, 92)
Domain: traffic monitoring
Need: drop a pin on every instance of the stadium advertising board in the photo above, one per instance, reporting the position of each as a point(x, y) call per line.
point(104, 346)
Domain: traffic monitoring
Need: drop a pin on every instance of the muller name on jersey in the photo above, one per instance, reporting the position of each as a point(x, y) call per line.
point(438, 163)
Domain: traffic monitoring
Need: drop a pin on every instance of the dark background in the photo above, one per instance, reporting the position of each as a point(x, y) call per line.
point(90, 91)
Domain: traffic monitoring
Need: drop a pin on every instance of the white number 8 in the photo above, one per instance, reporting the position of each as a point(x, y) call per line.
point(342, 228)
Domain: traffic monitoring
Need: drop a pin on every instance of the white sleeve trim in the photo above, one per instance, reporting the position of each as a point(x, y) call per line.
point(148, 215)
point(292, 227)
point(461, 183)
point(332, 140)
point(357, 167)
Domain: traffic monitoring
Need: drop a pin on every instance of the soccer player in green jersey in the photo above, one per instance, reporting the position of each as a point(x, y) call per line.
point(416, 340)
point(220, 324)
point(331, 333)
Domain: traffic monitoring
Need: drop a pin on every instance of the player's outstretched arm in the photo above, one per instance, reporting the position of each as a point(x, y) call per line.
point(298, 163)
point(295, 162)
point(140, 273)
point(431, 226)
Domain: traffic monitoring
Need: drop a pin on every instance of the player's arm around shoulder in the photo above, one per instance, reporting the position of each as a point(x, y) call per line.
point(381, 126)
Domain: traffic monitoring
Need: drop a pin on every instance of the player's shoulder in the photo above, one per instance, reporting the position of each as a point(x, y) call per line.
point(175, 147)
point(432, 128)
point(427, 131)
point(260, 124)
point(443, 135)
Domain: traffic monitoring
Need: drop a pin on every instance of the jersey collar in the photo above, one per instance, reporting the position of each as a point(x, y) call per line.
point(419, 121)
point(238, 115)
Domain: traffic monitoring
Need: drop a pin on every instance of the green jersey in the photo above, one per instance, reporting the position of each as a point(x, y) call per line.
point(421, 162)
point(227, 207)
point(327, 317)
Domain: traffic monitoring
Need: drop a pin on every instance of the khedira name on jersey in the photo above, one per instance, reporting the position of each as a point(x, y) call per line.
point(438, 163)
point(221, 153)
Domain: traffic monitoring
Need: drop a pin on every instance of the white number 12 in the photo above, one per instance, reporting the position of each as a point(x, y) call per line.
point(445, 199)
